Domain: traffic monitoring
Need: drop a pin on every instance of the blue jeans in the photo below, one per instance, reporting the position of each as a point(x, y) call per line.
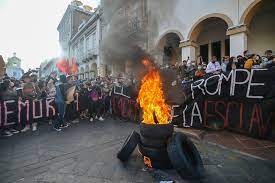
point(61, 107)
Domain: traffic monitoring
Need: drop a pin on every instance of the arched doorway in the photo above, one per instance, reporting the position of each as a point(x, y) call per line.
point(168, 50)
point(259, 20)
point(209, 34)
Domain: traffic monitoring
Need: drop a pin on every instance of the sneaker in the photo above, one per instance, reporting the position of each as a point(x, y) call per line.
point(91, 119)
point(7, 133)
point(101, 118)
point(14, 131)
point(66, 125)
point(57, 129)
point(34, 128)
point(27, 128)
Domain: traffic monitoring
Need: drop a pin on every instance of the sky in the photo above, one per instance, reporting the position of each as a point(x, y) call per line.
point(29, 28)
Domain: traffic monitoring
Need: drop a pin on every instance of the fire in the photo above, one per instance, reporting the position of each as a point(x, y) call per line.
point(151, 98)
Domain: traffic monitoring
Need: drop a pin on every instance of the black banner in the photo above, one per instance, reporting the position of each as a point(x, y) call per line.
point(242, 101)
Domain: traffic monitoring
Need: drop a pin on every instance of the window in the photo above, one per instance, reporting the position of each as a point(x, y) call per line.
point(93, 41)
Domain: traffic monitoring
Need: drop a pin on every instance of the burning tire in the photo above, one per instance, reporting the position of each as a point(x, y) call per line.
point(156, 131)
point(129, 146)
point(185, 157)
point(153, 143)
point(158, 157)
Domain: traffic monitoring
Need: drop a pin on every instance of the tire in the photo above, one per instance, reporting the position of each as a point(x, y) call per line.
point(156, 131)
point(154, 153)
point(153, 143)
point(129, 146)
point(158, 156)
point(185, 157)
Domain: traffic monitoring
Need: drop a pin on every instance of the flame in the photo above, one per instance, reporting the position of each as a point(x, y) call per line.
point(151, 98)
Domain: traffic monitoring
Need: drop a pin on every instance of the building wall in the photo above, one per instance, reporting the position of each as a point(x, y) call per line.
point(262, 26)
point(184, 18)
point(182, 15)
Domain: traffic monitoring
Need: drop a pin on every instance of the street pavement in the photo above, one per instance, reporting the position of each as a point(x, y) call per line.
point(86, 153)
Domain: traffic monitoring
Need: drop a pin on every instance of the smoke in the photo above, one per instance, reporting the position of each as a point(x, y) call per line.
point(127, 31)
point(124, 37)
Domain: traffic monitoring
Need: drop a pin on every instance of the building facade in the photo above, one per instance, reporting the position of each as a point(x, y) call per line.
point(74, 17)
point(13, 67)
point(47, 67)
point(85, 47)
point(2, 67)
point(80, 34)
point(182, 29)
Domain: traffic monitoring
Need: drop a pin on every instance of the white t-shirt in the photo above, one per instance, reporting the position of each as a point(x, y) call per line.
point(213, 67)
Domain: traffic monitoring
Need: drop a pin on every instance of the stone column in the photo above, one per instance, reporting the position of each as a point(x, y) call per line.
point(209, 51)
point(238, 40)
point(188, 49)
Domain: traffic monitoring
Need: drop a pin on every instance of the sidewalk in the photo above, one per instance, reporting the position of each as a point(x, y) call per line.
point(261, 149)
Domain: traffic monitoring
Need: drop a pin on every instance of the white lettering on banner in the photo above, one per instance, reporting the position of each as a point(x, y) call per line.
point(8, 112)
point(26, 103)
point(234, 83)
point(184, 118)
point(48, 107)
point(121, 92)
point(250, 84)
point(218, 85)
point(197, 86)
point(230, 75)
point(34, 109)
point(198, 114)
point(173, 111)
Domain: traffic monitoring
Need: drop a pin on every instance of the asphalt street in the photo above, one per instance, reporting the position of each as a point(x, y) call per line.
point(86, 153)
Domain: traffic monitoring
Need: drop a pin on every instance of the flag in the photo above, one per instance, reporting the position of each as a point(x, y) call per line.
point(63, 65)
point(74, 67)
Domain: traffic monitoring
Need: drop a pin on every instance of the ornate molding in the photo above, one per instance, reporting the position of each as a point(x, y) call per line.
point(236, 30)
point(188, 43)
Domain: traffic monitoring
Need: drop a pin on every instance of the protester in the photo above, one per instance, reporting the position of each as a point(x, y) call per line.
point(200, 72)
point(251, 61)
point(60, 104)
point(29, 93)
point(225, 62)
point(95, 108)
point(8, 93)
point(213, 67)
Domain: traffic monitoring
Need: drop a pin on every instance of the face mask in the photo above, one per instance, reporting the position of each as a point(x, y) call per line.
point(199, 68)
point(193, 64)
point(226, 62)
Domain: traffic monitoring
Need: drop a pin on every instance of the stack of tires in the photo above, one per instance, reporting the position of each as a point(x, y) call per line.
point(161, 148)
point(153, 145)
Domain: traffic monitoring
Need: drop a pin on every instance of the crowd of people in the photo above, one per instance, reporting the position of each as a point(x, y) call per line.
point(192, 70)
point(95, 95)
point(94, 98)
